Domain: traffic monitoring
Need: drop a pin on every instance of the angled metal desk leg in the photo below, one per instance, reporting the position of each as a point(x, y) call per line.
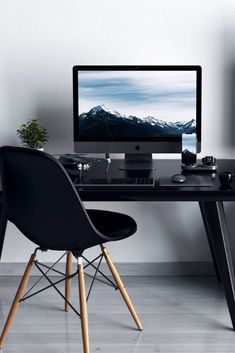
point(3, 224)
point(214, 216)
point(215, 261)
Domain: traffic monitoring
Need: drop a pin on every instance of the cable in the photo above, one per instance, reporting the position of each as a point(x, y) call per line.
point(108, 160)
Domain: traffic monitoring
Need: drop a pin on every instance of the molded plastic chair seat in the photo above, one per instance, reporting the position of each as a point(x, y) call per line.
point(112, 224)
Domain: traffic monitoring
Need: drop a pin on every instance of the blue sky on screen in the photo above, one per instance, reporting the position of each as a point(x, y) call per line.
point(165, 95)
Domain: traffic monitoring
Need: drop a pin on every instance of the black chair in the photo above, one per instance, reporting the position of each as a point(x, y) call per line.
point(41, 200)
point(3, 223)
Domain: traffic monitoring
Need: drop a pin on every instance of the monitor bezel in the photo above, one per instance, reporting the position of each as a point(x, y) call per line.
point(158, 145)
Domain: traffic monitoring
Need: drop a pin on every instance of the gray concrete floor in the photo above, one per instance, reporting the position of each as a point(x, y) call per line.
point(179, 314)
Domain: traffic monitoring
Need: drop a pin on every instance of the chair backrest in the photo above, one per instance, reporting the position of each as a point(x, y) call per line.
point(40, 199)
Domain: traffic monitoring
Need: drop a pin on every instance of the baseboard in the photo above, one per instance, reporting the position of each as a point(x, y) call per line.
point(128, 269)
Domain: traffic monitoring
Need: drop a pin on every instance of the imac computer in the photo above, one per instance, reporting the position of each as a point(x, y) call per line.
point(135, 110)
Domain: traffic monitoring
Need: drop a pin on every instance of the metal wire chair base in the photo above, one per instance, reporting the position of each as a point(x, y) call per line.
point(40, 265)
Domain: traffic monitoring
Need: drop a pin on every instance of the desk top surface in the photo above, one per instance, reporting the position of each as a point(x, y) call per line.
point(163, 168)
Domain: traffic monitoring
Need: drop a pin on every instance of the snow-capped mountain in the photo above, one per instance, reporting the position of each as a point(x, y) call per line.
point(102, 108)
point(104, 122)
point(165, 124)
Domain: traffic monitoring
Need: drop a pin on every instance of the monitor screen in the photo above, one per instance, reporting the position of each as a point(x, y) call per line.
point(136, 104)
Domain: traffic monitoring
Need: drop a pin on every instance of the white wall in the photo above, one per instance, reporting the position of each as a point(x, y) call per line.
point(42, 40)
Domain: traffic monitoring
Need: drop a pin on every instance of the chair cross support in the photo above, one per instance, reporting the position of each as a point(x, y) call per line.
point(44, 288)
point(91, 263)
point(49, 269)
point(67, 277)
point(54, 286)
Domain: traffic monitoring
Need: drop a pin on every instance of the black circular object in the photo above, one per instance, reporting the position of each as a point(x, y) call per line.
point(226, 178)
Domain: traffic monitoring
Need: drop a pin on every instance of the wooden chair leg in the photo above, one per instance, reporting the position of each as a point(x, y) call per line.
point(121, 287)
point(83, 307)
point(16, 302)
point(68, 282)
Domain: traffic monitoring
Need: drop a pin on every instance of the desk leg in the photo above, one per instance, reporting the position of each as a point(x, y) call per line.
point(214, 216)
point(209, 238)
point(3, 224)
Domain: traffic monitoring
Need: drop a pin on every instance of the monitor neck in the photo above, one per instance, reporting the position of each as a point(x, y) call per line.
point(138, 162)
point(138, 158)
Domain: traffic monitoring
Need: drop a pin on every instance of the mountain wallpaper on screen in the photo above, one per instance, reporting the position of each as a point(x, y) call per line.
point(102, 123)
point(188, 157)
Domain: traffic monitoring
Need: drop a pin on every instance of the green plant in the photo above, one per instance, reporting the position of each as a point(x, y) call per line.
point(32, 134)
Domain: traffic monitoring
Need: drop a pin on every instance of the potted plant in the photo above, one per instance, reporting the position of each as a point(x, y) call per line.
point(32, 134)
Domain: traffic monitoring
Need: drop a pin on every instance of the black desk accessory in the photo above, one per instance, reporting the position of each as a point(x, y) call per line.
point(226, 178)
point(190, 181)
point(81, 163)
point(73, 161)
point(208, 165)
point(178, 178)
point(209, 161)
point(116, 183)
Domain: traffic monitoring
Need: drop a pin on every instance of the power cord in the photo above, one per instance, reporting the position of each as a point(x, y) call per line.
point(108, 160)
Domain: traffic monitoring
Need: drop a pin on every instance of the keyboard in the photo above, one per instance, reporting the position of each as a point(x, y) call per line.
point(123, 183)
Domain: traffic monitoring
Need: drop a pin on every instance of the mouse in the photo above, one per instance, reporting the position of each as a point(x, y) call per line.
point(178, 178)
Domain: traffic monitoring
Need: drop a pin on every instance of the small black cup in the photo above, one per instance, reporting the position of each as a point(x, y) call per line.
point(226, 178)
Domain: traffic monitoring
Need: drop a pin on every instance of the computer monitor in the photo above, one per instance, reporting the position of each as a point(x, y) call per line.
point(136, 110)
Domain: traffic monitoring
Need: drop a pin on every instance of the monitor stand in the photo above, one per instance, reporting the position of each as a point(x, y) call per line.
point(138, 162)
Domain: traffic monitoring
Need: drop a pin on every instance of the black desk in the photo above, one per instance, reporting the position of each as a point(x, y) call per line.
point(210, 201)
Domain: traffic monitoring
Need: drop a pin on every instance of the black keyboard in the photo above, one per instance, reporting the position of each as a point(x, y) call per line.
point(123, 183)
